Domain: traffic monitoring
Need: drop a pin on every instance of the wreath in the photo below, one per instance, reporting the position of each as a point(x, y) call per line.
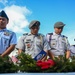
point(26, 64)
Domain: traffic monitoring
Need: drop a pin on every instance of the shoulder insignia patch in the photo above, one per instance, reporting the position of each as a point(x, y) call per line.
point(64, 36)
point(25, 34)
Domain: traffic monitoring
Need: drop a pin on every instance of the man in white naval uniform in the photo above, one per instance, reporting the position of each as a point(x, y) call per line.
point(33, 43)
point(59, 43)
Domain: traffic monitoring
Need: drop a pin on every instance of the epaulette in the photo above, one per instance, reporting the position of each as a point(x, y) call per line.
point(64, 36)
point(50, 33)
point(25, 34)
point(73, 45)
point(41, 34)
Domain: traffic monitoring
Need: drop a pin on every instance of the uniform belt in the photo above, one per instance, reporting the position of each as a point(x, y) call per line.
point(53, 49)
point(59, 56)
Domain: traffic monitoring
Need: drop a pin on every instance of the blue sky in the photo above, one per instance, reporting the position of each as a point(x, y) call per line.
point(21, 12)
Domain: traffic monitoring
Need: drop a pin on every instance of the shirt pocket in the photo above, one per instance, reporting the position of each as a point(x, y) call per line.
point(38, 43)
point(53, 43)
point(6, 40)
point(63, 44)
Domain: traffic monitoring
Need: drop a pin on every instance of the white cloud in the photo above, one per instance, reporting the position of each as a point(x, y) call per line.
point(17, 18)
point(4, 2)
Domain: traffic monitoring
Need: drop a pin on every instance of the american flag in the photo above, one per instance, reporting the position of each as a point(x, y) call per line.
point(14, 59)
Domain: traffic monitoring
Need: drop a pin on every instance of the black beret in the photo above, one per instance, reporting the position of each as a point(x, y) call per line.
point(34, 23)
point(59, 24)
point(3, 14)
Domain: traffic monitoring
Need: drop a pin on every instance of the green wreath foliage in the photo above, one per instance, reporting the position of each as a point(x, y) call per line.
point(27, 64)
point(6, 66)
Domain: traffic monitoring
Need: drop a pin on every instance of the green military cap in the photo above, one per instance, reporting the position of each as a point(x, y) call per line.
point(34, 23)
point(59, 24)
point(3, 14)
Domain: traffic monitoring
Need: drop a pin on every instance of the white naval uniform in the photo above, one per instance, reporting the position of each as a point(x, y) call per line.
point(58, 43)
point(33, 44)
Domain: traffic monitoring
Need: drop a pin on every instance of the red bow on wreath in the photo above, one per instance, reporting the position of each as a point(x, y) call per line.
point(45, 64)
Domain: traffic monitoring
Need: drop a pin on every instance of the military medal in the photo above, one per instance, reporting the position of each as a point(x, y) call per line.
point(28, 45)
point(53, 43)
